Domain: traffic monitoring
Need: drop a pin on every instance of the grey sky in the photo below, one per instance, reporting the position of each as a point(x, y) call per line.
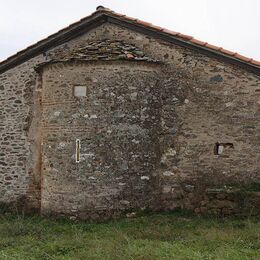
point(232, 24)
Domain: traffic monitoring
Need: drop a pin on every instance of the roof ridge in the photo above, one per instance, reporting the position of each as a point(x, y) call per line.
point(185, 37)
point(21, 56)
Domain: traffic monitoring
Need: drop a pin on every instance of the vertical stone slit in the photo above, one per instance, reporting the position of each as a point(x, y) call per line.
point(77, 150)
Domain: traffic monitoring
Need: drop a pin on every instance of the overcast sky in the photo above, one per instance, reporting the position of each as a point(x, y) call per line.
point(232, 24)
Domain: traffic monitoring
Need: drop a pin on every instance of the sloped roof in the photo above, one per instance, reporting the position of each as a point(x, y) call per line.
point(103, 15)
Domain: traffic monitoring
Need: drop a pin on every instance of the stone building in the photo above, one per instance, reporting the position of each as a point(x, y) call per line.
point(113, 115)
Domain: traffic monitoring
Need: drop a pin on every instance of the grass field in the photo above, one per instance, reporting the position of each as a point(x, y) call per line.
point(158, 236)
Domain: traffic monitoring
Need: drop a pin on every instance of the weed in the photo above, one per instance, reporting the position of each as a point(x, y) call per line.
point(152, 236)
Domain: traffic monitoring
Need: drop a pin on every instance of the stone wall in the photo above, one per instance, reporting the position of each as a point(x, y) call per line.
point(117, 126)
point(19, 174)
point(203, 102)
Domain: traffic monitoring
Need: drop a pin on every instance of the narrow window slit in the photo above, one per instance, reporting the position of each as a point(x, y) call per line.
point(77, 150)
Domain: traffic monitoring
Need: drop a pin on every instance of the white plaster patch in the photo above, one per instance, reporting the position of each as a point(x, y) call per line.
point(168, 173)
point(80, 91)
point(87, 156)
point(170, 152)
point(93, 116)
point(120, 98)
point(162, 122)
point(220, 66)
point(124, 202)
point(133, 96)
point(75, 116)
point(220, 149)
point(56, 113)
point(135, 141)
point(61, 145)
point(131, 215)
point(229, 104)
point(167, 189)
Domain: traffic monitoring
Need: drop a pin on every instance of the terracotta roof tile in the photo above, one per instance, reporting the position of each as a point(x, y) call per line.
point(213, 47)
point(186, 37)
point(198, 42)
point(130, 18)
point(170, 32)
point(143, 23)
point(255, 62)
point(241, 57)
point(192, 40)
point(231, 53)
point(108, 12)
point(120, 15)
point(156, 27)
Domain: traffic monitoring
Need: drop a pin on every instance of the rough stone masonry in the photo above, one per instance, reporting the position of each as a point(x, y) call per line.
point(106, 118)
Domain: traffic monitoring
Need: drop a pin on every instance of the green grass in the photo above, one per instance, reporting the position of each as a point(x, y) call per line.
point(158, 236)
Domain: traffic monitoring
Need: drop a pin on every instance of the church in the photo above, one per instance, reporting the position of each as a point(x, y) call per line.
point(113, 115)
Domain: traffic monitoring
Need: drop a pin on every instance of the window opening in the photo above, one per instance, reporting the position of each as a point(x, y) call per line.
point(77, 150)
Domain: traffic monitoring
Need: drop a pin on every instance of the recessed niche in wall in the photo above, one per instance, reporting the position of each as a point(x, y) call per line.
point(220, 147)
point(80, 91)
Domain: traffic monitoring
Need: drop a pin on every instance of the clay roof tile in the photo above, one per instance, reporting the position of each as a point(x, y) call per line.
point(184, 36)
point(119, 15)
point(213, 47)
point(156, 27)
point(130, 18)
point(123, 17)
point(170, 32)
point(198, 42)
point(255, 62)
point(241, 57)
point(143, 23)
point(231, 53)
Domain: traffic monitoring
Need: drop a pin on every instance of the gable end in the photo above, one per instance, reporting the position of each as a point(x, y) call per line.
point(103, 15)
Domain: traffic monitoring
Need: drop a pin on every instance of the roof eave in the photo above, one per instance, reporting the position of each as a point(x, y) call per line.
point(53, 41)
point(100, 17)
point(171, 38)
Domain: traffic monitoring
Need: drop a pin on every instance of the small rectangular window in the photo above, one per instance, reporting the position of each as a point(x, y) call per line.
point(80, 91)
point(220, 147)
